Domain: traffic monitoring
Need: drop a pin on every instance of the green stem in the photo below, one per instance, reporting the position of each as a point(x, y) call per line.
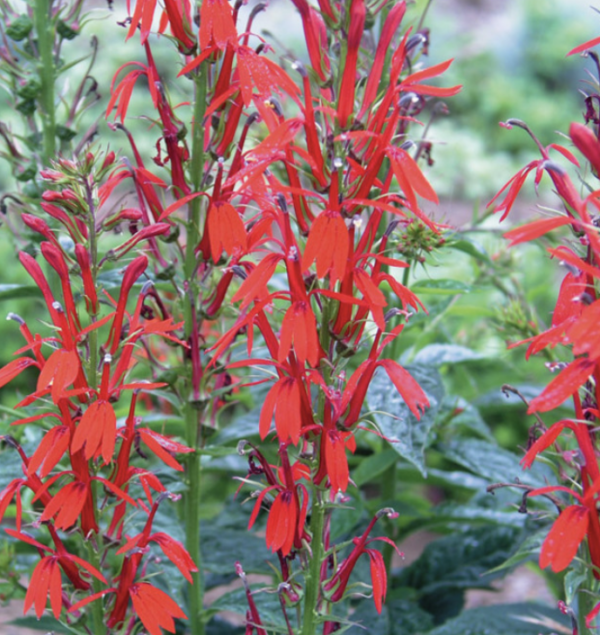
point(388, 495)
point(97, 607)
point(192, 414)
point(585, 603)
point(44, 30)
point(313, 576)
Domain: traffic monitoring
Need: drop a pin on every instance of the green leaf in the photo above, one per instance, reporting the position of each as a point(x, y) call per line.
point(486, 459)
point(451, 565)
point(220, 627)
point(398, 617)
point(440, 287)
point(439, 354)
point(462, 560)
point(409, 436)
point(529, 550)
point(244, 427)
point(13, 291)
point(374, 465)
point(46, 623)
point(473, 248)
point(467, 417)
point(506, 619)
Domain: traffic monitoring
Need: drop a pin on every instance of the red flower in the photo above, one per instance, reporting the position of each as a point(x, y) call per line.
point(155, 608)
point(340, 579)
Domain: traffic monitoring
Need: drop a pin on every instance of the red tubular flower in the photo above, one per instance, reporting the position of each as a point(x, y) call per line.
point(358, 13)
point(91, 297)
point(390, 26)
point(328, 244)
point(133, 271)
point(155, 608)
point(340, 579)
point(55, 259)
point(226, 230)
point(316, 40)
point(300, 327)
point(216, 25)
point(46, 579)
point(97, 429)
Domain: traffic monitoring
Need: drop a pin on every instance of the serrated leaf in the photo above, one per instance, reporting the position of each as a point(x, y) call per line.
point(465, 416)
point(409, 436)
point(507, 619)
point(244, 427)
point(487, 460)
point(398, 617)
point(529, 550)
point(440, 287)
point(461, 561)
point(439, 354)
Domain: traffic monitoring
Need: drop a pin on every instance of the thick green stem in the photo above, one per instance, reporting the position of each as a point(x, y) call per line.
point(585, 603)
point(44, 30)
point(96, 607)
point(192, 414)
point(313, 576)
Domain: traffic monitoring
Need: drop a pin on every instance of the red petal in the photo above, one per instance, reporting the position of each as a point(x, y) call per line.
point(561, 544)
point(584, 47)
point(378, 578)
point(411, 392)
point(534, 230)
point(563, 386)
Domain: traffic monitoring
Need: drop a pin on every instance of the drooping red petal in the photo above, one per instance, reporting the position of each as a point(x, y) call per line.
point(563, 386)
point(14, 368)
point(327, 244)
point(411, 392)
point(226, 230)
point(281, 525)
point(535, 229)
point(59, 372)
point(563, 540)
point(50, 450)
point(97, 431)
point(378, 578)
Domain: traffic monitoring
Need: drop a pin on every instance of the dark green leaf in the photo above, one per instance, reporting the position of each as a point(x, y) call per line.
point(409, 436)
point(486, 459)
point(398, 617)
point(462, 560)
point(506, 619)
point(46, 623)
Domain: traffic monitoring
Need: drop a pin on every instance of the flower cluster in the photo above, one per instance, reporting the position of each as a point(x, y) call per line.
point(247, 227)
point(574, 327)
